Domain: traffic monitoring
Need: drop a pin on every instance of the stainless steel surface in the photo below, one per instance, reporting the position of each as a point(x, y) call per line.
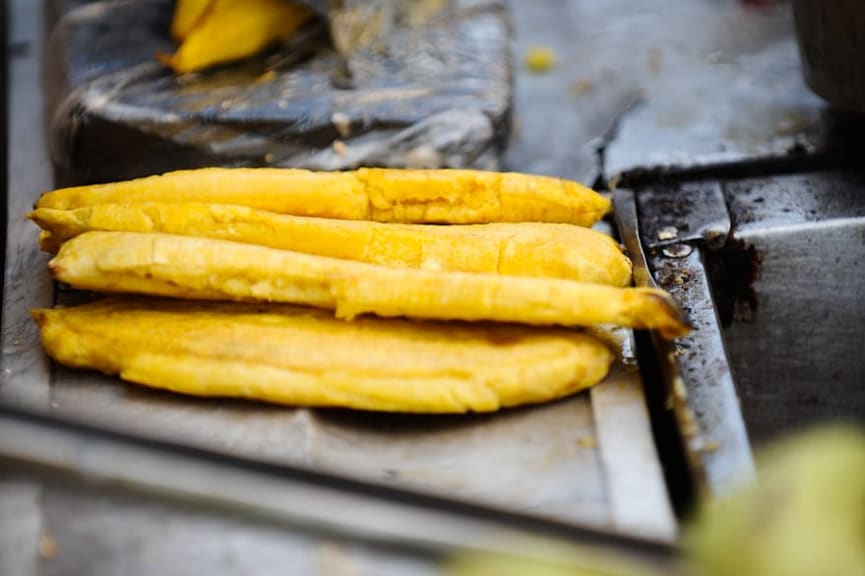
point(720, 433)
point(698, 385)
point(101, 531)
point(622, 426)
point(24, 367)
point(564, 116)
point(628, 227)
point(25, 286)
point(720, 85)
point(695, 217)
point(788, 291)
point(310, 504)
point(685, 434)
point(792, 286)
point(565, 460)
point(695, 212)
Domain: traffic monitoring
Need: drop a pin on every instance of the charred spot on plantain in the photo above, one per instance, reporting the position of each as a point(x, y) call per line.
point(503, 338)
point(677, 323)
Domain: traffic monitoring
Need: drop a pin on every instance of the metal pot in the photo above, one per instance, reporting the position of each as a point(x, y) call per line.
point(831, 37)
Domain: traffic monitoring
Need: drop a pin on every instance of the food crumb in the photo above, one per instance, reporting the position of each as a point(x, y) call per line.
point(667, 233)
point(582, 86)
point(655, 60)
point(711, 446)
point(47, 547)
point(342, 123)
point(335, 559)
point(588, 442)
point(339, 147)
point(540, 59)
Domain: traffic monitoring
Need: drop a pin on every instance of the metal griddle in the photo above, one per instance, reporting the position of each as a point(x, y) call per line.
point(588, 460)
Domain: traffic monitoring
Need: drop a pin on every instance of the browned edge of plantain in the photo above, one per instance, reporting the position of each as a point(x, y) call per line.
point(444, 196)
point(199, 268)
point(305, 357)
point(517, 249)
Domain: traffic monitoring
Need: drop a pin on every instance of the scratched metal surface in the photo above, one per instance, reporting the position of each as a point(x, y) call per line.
point(720, 84)
point(587, 459)
point(792, 294)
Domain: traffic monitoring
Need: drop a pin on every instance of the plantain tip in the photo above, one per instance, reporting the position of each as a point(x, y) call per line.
point(56, 268)
point(674, 323)
point(39, 315)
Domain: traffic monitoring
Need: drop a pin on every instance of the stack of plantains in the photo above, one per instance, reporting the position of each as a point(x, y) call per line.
point(261, 276)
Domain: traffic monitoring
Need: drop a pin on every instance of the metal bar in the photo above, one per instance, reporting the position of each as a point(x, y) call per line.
point(673, 396)
point(717, 435)
point(297, 498)
point(696, 367)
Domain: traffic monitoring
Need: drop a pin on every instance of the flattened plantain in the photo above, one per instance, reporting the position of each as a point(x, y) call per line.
point(201, 268)
point(299, 356)
point(525, 249)
point(228, 30)
point(379, 194)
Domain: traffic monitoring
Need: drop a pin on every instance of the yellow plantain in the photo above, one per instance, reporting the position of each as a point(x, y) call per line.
point(187, 14)
point(202, 268)
point(226, 30)
point(302, 356)
point(379, 194)
point(524, 249)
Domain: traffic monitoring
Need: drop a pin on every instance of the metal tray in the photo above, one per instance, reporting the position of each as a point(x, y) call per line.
point(589, 459)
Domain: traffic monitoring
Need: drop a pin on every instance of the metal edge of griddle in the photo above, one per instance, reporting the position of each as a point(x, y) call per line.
point(673, 397)
point(4, 139)
point(681, 223)
point(304, 500)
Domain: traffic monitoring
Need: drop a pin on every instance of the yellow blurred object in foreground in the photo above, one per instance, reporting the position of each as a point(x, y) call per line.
point(523, 249)
point(805, 516)
point(202, 268)
point(306, 357)
point(222, 31)
point(379, 194)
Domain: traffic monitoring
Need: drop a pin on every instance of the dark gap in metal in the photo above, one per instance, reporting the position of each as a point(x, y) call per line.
point(665, 430)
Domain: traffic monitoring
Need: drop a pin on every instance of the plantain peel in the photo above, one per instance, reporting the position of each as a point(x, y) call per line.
point(517, 249)
point(202, 268)
point(379, 194)
point(305, 357)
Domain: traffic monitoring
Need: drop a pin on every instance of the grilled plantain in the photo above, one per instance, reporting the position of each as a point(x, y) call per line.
point(524, 249)
point(222, 31)
point(187, 15)
point(302, 356)
point(201, 268)
point(383, 195)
